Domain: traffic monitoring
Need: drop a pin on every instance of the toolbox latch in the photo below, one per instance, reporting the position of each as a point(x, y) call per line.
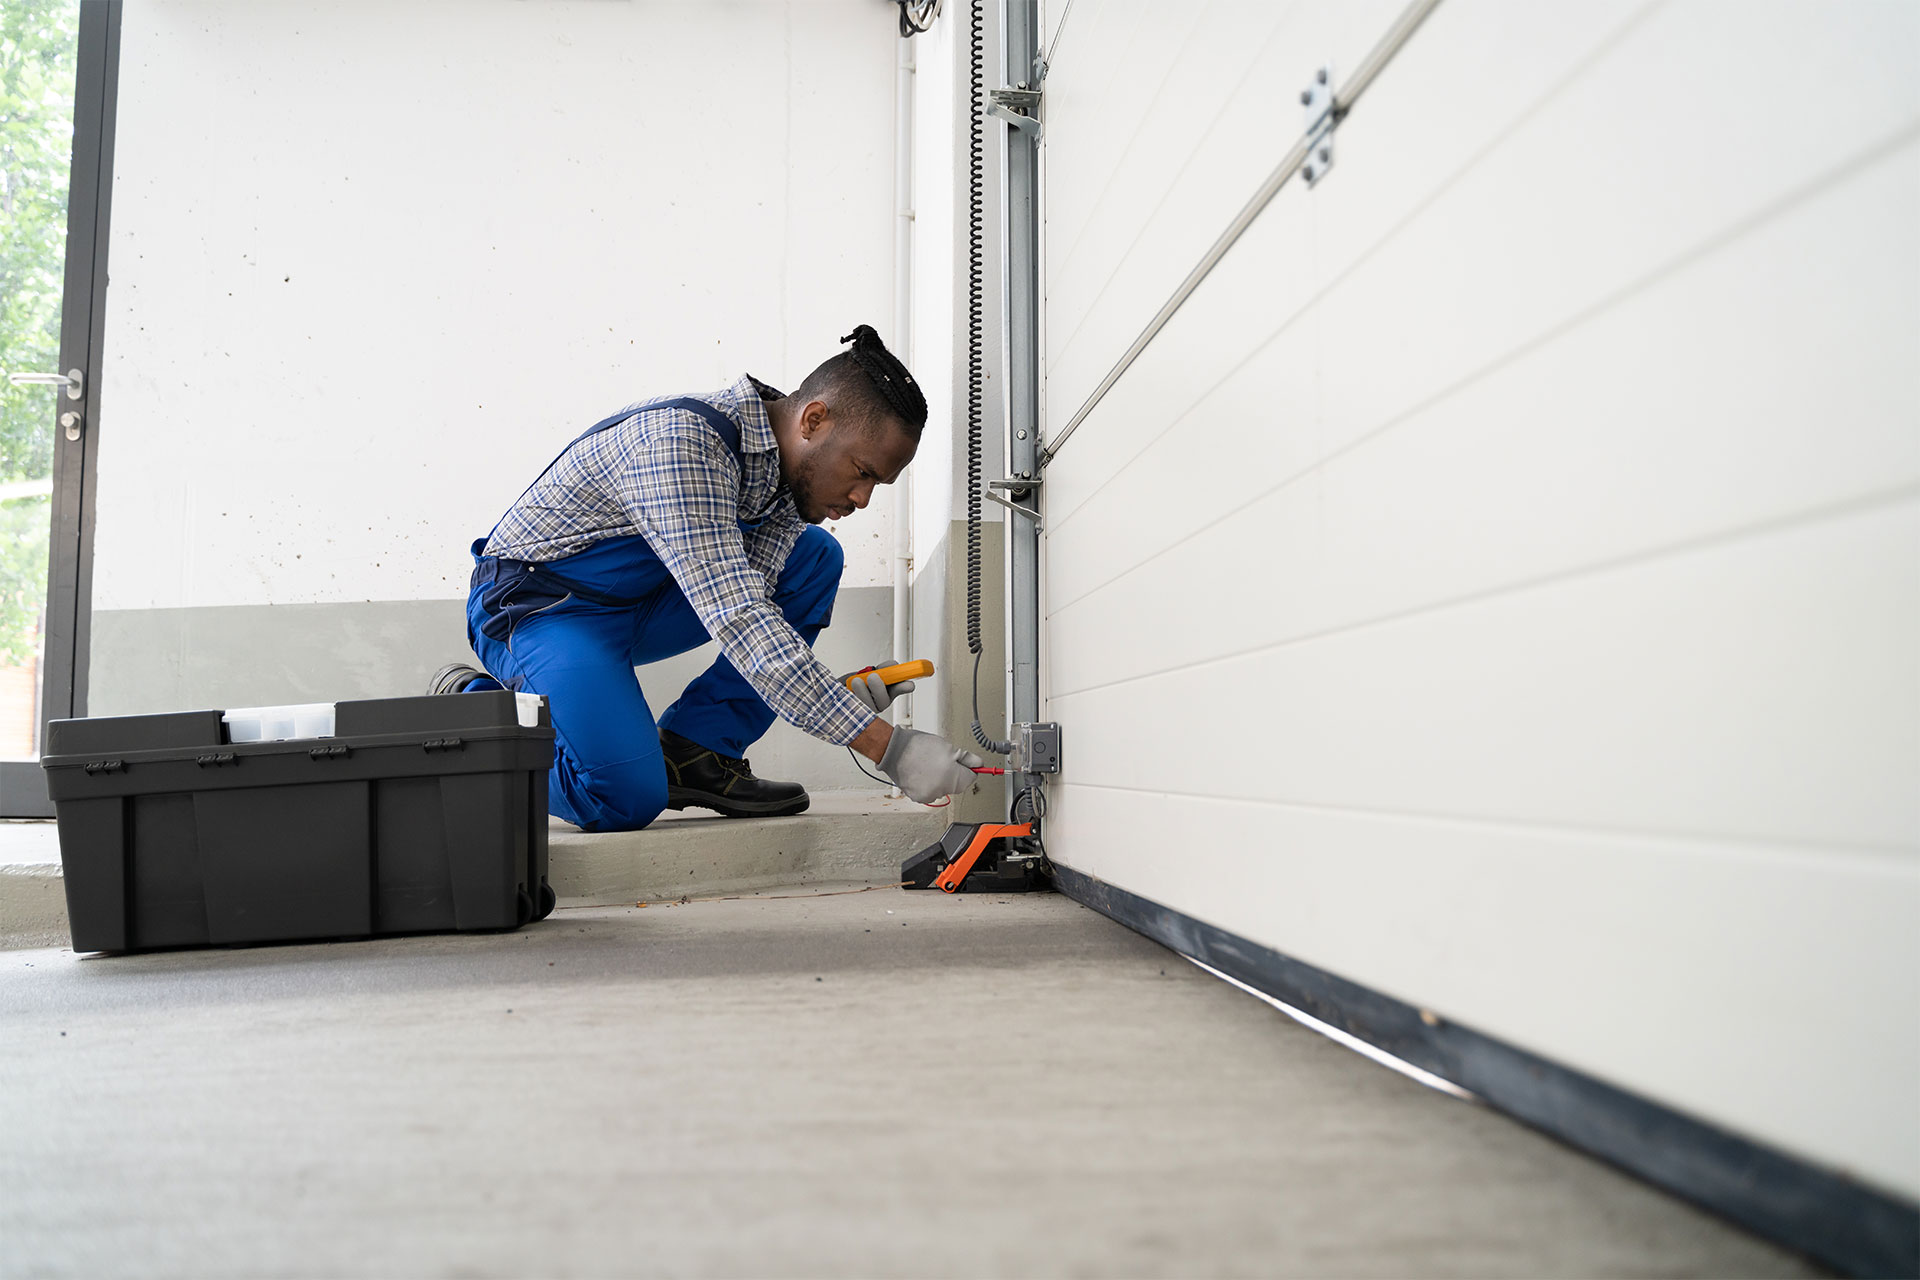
point(333, 752)
point(214, 759)
point(105, 766)
point(442, 744)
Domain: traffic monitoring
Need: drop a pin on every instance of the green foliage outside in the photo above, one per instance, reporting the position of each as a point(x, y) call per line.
point(37, 43)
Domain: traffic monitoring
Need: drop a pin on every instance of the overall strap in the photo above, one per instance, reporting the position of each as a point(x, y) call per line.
point(723, 426)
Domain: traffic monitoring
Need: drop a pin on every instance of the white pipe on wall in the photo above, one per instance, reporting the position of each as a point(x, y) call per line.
point(902, 341)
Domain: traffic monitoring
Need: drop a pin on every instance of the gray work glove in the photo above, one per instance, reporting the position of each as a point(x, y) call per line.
point(875, 692)
point(927, 767)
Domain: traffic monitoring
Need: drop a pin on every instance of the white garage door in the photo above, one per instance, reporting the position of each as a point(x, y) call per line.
point(1500, 584)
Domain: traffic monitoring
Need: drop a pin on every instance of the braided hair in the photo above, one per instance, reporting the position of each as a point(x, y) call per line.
point(869, 380)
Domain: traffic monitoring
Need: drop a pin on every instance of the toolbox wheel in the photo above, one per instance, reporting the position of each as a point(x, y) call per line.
point(526, 906)
point(548, 900)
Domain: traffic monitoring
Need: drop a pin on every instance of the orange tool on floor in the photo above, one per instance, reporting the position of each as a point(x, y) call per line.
point(979, 857)
point(949, 880)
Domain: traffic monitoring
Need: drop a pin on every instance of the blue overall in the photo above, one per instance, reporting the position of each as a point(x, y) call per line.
point(573, 629)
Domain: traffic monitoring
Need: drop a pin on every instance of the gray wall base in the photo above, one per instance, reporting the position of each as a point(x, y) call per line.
point(1841, 1223)
point(251, 655)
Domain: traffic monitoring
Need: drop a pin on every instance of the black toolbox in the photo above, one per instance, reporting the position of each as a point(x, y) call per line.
point(412, 815)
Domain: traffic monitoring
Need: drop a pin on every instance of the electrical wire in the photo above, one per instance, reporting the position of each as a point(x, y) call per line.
point(916, 16)
point(851, 755)
point(976, 273)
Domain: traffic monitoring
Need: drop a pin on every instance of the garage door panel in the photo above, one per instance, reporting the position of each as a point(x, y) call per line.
point(1280, 263)
point(1657, 965)
point(1201, 88)
point(1486, 267)
point(1760, 689)
point(1097, 109)
point(1500, 583)
point(1475, 70)
point(1709, 423)
point(1201, 347)
point(1094, 313)
point(1491, 266)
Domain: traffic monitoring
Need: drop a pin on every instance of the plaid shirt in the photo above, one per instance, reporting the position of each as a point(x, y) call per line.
point(664, 473)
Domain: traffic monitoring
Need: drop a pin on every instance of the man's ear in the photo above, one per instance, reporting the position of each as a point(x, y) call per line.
point(815, 418)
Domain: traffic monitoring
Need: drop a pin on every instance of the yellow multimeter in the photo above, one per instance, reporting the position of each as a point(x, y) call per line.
point(918, 669)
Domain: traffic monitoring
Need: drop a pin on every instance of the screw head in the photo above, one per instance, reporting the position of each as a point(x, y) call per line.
point(1322, 76)
point(1325, 155)
point(1306, 97)
point(1021, 434)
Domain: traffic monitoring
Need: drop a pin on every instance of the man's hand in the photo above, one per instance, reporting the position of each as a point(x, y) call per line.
point(927, 767)
point(872, 690)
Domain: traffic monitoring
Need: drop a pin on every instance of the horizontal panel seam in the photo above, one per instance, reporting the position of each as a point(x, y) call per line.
point(1849, 508)
point(1902, 859)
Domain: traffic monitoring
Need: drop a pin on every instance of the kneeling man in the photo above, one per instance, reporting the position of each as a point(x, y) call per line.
point(683, 519)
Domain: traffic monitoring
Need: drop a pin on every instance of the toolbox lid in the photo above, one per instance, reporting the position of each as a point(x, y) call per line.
point(112, 735)
point(70, 742)
point(440, 713)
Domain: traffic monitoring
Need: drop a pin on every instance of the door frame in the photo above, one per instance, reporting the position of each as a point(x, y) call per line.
point(68, 617)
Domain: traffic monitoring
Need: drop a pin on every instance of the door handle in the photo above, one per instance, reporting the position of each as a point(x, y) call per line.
point(73, 380)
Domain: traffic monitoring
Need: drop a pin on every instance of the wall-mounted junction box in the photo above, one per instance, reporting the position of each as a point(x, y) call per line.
point(1036, 748)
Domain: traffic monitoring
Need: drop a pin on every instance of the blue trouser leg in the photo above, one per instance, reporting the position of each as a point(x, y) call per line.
point(607, 772)
point(720, 710)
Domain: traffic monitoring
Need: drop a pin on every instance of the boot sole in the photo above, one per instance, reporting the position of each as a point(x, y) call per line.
point(682, 798)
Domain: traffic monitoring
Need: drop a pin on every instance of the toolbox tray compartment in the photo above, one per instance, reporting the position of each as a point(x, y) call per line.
point(418, 815)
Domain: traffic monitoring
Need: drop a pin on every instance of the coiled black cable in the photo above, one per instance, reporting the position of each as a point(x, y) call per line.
point(976, 166)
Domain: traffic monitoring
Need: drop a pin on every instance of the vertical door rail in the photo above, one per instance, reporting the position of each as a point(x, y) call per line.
point(1023, 68)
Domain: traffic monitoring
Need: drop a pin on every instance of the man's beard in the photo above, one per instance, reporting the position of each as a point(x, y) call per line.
point(805, 499)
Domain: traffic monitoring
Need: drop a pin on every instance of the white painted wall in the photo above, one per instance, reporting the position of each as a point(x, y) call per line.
point(1500, 585)
point(373, 263)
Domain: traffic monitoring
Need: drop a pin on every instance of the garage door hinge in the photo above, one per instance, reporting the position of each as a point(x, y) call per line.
point(1317, 98)
point(1018, 106)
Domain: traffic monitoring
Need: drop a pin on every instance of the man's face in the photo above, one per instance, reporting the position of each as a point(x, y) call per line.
point(834, 464)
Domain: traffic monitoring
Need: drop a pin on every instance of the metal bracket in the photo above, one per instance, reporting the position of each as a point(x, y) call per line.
point(1018, 106)
point(1317, 98)
point(1018, 487)
point(1025, 511)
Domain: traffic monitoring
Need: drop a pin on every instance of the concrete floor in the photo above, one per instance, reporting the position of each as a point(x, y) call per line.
point(875, 1083)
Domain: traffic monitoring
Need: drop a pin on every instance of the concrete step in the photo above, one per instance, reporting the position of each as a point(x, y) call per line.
point(846, 837)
